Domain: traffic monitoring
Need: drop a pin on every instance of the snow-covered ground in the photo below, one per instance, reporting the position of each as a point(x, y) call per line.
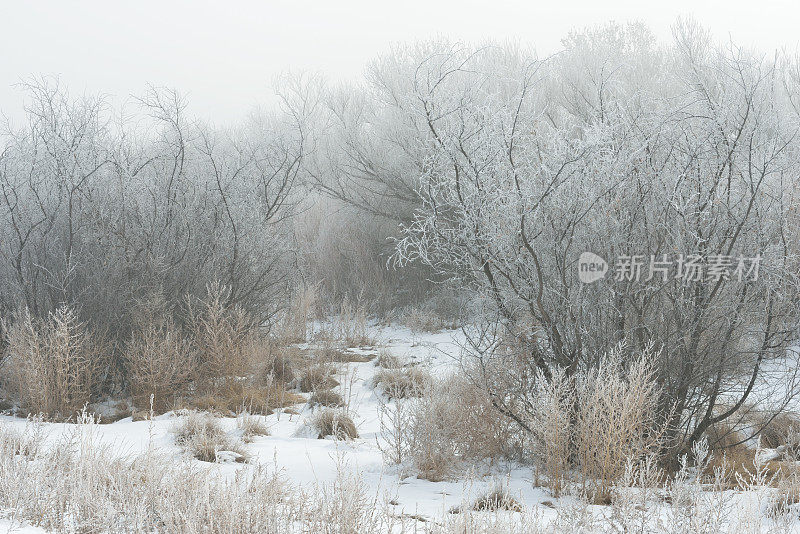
point(305, 460)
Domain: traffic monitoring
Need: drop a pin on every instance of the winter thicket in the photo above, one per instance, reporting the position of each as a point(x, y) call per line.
point(506, 167)
point(480, 173)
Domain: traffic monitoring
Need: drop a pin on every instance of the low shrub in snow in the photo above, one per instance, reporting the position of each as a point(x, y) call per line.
point(330, 422)
point(202, 436)
point(326, 398)
point(317, 377)
point(402, 383)
point(158, 358)
point(387, 360)
point(251, 426)
point(53, 365)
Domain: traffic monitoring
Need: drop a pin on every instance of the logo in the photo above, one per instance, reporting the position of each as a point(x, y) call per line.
point(591, 267)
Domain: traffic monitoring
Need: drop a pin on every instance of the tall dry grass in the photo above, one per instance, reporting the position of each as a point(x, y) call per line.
point(159, 359)
point(616, 420)
point(53, 366)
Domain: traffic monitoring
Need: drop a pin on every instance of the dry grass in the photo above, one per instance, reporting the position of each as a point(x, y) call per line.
point(492, 501)
point(326, 398)
point(53, 365)
point(425, 320)
point(224, 337)
point(318, 378)
point(159, 362)
point(552, 428)
point(329, 422)
point(251, 426)
point(348, 328)
point(387, 360)
point(293, 325)
point(776, 430)
point(240, 396)
point(330, 354)
point(433, 434)
point(616, 421)
point(202, 436)
point(722, 436)
point(78, 485)
point(402, 383)
point(282, 362)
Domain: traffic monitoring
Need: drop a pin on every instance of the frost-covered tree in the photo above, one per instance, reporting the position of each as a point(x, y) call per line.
point(100, 209)
point(619, 146)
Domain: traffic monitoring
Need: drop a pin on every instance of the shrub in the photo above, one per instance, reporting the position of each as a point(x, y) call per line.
point(616, 420)
point(280, 364)
point(224, 337)
point(423, 320)
point(326, 398)
point(329, 422)
point(402, 383)
point(316, 378)
point(159, 362)
point(551, 427)
point(203, 437)
point(777, 430)
point(53, 364)
point(250, 426)
point(293, 324)
point(387, 360)
point(348, 327)
point(493, 501)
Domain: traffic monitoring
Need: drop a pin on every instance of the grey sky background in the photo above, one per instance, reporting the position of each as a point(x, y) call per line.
point(225, 56)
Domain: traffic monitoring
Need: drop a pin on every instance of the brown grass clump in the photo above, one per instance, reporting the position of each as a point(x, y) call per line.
point(387, 360)
point(159, 360)
point(236, 397)
point(330, 354)
point(402, 383)
point(493, 501)
point(327, 398)
point(317, 378)
point(282, 362)
point(251, 426)
point(424, 320)
point(775, 431)
point(53, 365)
point(329, 422)
point(722, 436)
point(202, 436)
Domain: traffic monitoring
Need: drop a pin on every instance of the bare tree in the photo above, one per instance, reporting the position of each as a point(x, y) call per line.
point(620, 147)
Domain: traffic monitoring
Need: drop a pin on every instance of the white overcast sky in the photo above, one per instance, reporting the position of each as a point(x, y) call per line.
point(225, 55)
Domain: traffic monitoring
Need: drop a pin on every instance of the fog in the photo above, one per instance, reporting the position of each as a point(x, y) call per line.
point(224, 57)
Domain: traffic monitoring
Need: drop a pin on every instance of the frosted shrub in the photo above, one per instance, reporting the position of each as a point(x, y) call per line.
point(202, 436)
point(616, 420)
point(160, 362)
point(53, 364)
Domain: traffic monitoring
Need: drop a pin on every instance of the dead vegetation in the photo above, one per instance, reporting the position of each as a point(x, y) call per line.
point(402, 383)
point(318, 377)
point(326, 398)
point(53, 365)
point(202, 436)
point(330, 422)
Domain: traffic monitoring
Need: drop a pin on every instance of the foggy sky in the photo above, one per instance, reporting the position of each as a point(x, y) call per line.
point(225, 56)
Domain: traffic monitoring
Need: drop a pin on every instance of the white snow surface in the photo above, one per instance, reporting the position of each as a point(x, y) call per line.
point(305, 460)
